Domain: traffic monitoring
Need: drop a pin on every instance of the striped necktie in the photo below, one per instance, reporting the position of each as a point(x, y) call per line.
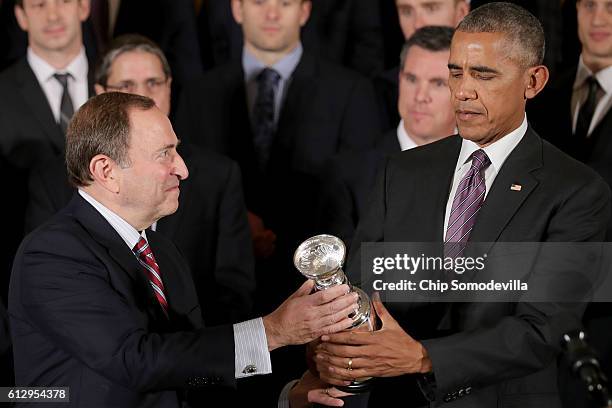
point(66, 107)
point(145, 257)
point(466, 205)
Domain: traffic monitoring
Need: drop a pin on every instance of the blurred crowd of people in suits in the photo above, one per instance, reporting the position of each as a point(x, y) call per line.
point(285, 112)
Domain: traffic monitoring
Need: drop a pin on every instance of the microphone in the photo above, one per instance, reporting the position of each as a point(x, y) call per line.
point(584, 365)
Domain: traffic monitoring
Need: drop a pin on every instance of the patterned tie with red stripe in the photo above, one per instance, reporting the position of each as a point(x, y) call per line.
point(466, 205)
point(145, 257)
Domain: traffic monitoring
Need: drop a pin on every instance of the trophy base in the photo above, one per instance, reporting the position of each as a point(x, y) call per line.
point(357, 387)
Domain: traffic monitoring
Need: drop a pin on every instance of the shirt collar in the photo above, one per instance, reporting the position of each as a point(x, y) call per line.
point(128, 233)
point(406, 142)
point(498, 151)
point(604, 77)
point(285, 66)
point(43, 71)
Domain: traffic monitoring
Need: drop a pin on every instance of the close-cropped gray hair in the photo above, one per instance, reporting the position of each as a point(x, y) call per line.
point(430, 38)
point(522, 29)
point(126, 43)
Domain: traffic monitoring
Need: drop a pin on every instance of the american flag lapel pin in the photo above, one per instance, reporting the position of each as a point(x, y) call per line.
point(516, 187)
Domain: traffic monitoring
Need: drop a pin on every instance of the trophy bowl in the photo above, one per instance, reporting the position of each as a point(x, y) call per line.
point(321, 258)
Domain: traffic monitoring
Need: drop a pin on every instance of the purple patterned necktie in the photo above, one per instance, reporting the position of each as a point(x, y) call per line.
point(466, 204)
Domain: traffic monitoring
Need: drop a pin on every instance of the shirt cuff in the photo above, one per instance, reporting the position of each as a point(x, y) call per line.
point(251, 349)
point(283, 398)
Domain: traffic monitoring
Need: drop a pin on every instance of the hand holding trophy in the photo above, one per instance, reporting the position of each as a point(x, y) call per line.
point(321, 258)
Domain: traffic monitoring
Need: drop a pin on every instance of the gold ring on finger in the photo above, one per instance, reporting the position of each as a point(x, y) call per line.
point(350, 365)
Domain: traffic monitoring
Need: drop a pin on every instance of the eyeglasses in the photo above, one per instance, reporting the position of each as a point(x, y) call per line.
point(591, 5)
point(152, 85)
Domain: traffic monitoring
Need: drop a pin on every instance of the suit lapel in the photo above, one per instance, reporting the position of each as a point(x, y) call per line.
point(178, 285)
point(104, 234)
point(36, 99)
point(502, 202)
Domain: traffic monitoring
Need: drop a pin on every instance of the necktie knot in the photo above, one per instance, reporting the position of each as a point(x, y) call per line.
point(62, 79)
point(480, 160)
point(592, 84)
point(268, 77)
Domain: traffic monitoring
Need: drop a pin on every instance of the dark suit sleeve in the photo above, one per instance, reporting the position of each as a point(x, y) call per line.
point(67, 294)
point(529, 340)
point(234, 271)
point(361, 121)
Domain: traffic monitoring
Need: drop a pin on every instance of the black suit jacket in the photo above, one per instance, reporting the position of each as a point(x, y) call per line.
point(30, 134)
point(344, 31)
point(209, 228)
point(327, 109)
point(347, 186)
point(504, 353)
point(83, 315)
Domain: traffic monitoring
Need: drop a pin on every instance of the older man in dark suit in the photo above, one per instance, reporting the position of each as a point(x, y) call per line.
point(210, 228)
point(108, 308)
point(497, 181)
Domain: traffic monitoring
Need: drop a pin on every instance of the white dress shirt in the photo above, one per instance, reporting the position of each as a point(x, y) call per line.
point(580, 92)
point(498, 152)
point(251, 355)
point(285, 66)
point(405, 141)
point(78, 86)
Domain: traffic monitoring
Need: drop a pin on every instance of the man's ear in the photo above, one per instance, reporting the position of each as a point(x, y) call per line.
point(99, 89)
point(537, 77)
point(21, 17)
point(104, 172)
point(305, 12)
point(84, 9)
point(237, 10)
point(461, 10)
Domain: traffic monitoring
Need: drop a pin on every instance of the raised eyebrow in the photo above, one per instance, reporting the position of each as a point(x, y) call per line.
point(453, 66)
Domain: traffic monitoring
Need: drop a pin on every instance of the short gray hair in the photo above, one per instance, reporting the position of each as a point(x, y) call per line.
point(126, 43)
point(522, 29)
point(430, 38)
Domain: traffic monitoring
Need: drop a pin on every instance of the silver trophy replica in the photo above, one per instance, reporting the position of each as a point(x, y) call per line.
point(320, 258)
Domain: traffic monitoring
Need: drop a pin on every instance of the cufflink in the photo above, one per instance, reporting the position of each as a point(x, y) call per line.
point(250, 369)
